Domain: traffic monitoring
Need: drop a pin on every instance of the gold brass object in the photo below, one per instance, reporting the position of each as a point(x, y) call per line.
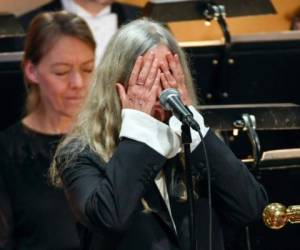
point(276, 215)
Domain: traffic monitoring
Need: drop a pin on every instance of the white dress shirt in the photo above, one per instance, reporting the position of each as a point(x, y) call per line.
point(103, 25)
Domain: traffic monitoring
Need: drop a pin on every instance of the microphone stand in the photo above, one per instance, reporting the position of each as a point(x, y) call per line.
point(186, 141)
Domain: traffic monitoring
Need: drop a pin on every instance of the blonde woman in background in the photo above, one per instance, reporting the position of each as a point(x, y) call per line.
point(58, 64)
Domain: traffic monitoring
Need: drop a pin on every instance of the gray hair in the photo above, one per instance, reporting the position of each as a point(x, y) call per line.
point(98, 125)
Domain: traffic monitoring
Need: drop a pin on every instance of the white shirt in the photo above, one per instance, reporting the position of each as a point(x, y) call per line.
point(103, 25)
point(163, 138)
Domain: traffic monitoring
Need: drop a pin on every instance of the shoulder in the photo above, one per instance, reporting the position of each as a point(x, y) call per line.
point(7, 136)
point(74, 161)
point(125, 7)
point(126, 12)
point(76, 154)
point(26, 18)
point(19, 143)
point(8, 144)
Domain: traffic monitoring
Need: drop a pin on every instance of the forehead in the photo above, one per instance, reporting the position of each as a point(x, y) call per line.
point(160, 51)
point(69, 44)
point(68, 48)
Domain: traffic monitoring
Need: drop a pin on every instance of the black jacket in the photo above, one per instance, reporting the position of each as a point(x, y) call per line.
point(124, 12)
point(106, 198)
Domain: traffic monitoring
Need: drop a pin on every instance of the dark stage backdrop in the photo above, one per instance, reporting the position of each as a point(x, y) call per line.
point(256, 72)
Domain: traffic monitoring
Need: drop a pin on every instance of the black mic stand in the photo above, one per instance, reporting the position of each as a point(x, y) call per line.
point(186, 141)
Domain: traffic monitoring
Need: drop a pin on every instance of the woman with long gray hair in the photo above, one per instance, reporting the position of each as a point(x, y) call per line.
point(120, 166)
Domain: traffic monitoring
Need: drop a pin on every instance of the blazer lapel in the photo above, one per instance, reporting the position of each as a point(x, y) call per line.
point(159, 208)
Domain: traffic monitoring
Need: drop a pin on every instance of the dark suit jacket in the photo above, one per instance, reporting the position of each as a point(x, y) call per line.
point(125, 12)
point(106, 198)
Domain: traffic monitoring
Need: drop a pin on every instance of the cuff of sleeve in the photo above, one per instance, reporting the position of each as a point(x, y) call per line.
point(175, 125)
point(142, 127)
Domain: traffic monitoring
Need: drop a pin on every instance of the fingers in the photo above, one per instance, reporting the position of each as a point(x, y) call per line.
point(164, 81)
point(142, 98)
point(135, 71)
point(122, 94)
point(176, 68)
point(145, 77)
point(156, 85)
point(151, 78)
point(146, 69)
point(168, 78)
point(173, 76)
point(142, 91)
point(154, 91)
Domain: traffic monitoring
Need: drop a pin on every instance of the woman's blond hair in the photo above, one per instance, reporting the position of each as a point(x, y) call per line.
point(43, 32)
point(99, 122)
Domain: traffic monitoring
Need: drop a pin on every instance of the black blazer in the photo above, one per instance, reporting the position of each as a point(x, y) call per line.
point(124, 12)
point(106, 198)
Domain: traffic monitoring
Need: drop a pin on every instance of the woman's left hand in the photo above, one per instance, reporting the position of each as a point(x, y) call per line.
point(172, 76)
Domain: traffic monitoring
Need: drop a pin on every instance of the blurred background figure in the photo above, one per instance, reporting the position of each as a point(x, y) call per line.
point(58, 63)
point(295, 24)
point(103, 16)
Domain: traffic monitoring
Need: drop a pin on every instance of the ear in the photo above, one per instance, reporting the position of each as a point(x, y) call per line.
point(30, 71)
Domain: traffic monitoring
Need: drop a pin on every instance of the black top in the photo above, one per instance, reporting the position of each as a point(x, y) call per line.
point(106, 197)
point(33, 214)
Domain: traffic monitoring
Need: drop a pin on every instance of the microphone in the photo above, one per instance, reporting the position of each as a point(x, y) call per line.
point(170, 100)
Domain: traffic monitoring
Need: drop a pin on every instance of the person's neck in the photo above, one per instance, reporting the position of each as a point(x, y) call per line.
point(48, 123)
point(92, 7)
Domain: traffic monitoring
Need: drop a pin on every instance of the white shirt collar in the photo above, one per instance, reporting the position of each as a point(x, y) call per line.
point(71, 6)
point(103, 25)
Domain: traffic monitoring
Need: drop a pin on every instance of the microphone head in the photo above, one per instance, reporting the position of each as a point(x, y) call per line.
point(166, 95)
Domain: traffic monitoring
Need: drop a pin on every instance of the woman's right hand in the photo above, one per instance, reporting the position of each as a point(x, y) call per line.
point(142, 90)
